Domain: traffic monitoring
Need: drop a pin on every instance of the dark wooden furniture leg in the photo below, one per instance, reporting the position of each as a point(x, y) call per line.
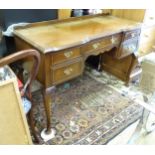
point(132, 66)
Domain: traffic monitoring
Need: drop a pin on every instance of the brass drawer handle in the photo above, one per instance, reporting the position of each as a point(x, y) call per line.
point(151, 18)
point(153, 46)
point(68, 54)
point(141, 51)
point(145, 35)
point(114, 40)
point(68, 71)
point(133, 35)
point(131, 47)
point(96, 45)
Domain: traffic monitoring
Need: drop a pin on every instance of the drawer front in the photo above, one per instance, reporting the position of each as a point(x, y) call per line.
point(149, 18)
point(67, 72)
point(132, 34)
point(128, 47)
point(100, 44)
point(149, 21)
point(145, 48)
point(65, 55)
point(148, 34)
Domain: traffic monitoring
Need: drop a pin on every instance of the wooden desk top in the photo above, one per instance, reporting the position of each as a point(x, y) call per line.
point(56, 35)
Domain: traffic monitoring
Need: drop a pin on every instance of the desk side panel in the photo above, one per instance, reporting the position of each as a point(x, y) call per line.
point(22, 45)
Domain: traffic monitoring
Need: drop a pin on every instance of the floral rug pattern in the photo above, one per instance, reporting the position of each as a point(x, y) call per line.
point(91, 109)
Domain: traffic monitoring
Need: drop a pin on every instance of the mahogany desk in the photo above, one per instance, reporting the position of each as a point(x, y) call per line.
point(65, 44)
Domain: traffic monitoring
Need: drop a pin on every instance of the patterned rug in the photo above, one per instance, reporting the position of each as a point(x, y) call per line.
point(88, 110)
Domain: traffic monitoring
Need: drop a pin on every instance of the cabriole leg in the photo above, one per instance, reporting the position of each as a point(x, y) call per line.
point(48, 133)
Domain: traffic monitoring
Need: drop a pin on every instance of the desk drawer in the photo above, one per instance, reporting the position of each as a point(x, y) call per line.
point(145, 48)
point(148, 35)
point(128, 47)
point(131, 34)
point(100, 44)
point(67, 72)
point(65, 55)
point(149, 18)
